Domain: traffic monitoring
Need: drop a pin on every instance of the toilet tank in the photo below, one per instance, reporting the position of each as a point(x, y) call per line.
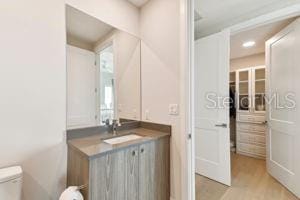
point(11, 183)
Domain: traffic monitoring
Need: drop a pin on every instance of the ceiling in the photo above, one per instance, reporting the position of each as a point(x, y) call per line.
point(85, 28)
point(219, 14)
point(138, 3)
point(260, 35)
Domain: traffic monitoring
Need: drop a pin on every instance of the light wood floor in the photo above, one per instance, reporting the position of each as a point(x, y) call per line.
point(250, 181)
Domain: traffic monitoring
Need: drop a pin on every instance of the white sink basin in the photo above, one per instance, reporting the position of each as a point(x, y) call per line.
point(121, 139)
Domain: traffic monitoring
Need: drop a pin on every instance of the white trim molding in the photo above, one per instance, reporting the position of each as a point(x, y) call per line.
point(281, 14)
point(187, 49)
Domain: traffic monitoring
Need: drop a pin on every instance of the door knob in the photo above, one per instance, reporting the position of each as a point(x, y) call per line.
point(221, 125)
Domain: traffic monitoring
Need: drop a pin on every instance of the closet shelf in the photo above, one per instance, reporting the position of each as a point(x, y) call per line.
point(251, 117)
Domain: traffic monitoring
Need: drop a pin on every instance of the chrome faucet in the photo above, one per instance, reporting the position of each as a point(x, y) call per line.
point(115, 124)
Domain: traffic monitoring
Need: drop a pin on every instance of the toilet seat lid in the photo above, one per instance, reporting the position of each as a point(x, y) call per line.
point(10, 173)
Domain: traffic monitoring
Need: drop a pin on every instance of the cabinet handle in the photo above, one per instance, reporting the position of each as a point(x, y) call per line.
point(142, 150)
point(133, 153)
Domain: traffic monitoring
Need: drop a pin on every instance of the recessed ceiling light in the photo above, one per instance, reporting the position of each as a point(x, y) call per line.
point(248, 44)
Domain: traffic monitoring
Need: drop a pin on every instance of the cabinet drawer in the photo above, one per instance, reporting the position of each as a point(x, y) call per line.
point(252, 118)
point(251, 139)
point(251, 149)
point(260, 129)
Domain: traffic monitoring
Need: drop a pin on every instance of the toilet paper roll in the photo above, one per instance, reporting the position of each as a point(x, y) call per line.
point(71, 193)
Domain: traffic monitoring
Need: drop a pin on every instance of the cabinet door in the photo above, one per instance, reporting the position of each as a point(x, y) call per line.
point(132, 173)
point(259, 89)
point(107, 177)
point(147, 171)
point(154, 167)
point(244, 90)
point(115, 176)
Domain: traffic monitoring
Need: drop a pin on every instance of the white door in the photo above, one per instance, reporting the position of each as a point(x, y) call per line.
point(283, 138)
point(81, 74)
point(212, 141)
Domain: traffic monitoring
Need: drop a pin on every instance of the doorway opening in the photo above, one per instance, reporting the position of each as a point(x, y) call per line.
point(248, 106)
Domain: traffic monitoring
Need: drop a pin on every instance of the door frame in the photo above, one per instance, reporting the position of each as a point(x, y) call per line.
point(281, 14)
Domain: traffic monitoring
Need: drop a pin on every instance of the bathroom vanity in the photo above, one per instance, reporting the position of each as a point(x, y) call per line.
point(138, 169)
point(104, 86)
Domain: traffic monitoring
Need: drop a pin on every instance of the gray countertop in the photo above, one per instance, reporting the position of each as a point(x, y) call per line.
point(93, 146)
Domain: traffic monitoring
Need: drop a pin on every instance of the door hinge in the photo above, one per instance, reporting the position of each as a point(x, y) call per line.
point(96, 90)
point(96, 117)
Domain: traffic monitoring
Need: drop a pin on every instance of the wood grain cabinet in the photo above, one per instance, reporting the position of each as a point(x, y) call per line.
point(138, 172)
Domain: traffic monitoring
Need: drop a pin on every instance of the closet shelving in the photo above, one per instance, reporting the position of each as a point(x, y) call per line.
point(250, 104)
point(232, 85)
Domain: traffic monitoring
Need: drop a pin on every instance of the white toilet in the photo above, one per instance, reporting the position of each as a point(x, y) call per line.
point(11, 183)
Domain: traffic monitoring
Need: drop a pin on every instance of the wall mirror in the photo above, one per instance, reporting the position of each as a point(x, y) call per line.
point(103, 72)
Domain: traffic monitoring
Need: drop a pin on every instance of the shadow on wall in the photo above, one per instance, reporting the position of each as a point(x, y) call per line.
point(45, 174)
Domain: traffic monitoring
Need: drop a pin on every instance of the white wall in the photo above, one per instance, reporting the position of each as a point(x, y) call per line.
point(117, 13)
point(248, 61)
point(33, 94)
point(128, 75)
point(160, 34)
point(33, 86)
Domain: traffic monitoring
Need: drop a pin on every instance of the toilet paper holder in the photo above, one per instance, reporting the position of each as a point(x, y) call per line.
point(81, 187)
